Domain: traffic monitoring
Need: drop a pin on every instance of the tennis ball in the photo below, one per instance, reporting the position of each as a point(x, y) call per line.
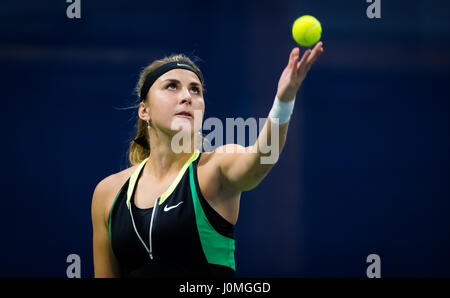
point(306, 30)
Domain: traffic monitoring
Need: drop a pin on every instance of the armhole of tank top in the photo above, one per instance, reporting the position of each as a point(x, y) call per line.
point(112, 208)
point(219, 223)
point(217, 248)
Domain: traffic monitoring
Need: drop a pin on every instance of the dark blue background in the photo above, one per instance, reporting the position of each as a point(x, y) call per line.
point(365, 168)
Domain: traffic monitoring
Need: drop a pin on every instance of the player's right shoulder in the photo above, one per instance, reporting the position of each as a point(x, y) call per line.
point(106, 191)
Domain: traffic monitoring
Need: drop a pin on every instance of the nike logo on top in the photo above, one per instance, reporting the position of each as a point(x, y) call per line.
point(180, 64)
point(166, 208)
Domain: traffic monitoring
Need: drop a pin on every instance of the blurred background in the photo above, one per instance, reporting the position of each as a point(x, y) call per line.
point(365, 169)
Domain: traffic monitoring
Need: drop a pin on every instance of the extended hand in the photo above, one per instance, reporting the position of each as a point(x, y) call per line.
point(295, 72)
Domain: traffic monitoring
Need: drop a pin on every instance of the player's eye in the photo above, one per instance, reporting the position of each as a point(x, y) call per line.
point(172, 86)
point(196, 90)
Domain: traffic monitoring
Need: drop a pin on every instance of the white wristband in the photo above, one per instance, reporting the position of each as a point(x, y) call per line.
point(281, 111)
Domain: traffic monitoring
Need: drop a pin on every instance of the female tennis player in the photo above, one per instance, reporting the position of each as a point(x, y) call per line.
point(172, 213)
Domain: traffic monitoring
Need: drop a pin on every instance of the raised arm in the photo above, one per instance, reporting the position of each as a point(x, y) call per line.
point(243, 168)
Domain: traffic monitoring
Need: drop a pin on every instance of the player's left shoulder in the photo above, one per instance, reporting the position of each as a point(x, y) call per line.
point(209, 164)
point(214, 165)
point(231, 148)
point(206, 160)
point(213, 159)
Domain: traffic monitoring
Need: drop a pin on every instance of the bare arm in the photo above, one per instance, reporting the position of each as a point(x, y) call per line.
point(244, 168)
point(105, 263)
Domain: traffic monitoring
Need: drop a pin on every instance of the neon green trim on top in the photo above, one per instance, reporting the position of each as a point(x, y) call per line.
point(218, 249)
point(172, 186)
point(110, 213)
point(133, 179)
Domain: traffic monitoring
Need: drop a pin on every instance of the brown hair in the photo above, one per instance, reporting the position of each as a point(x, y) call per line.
point(139, 148)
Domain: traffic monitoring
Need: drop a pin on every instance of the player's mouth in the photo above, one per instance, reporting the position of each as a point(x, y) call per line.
point(184, 114)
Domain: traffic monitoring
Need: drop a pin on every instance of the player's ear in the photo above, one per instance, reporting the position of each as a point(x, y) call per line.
point(144, 111)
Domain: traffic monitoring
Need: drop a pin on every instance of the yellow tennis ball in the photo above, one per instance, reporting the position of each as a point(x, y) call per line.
point(306, 30)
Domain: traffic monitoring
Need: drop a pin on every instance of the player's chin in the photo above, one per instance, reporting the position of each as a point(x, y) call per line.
point(181, 124)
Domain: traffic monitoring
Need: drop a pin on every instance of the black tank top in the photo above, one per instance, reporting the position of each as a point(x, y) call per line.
point(181, 236)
